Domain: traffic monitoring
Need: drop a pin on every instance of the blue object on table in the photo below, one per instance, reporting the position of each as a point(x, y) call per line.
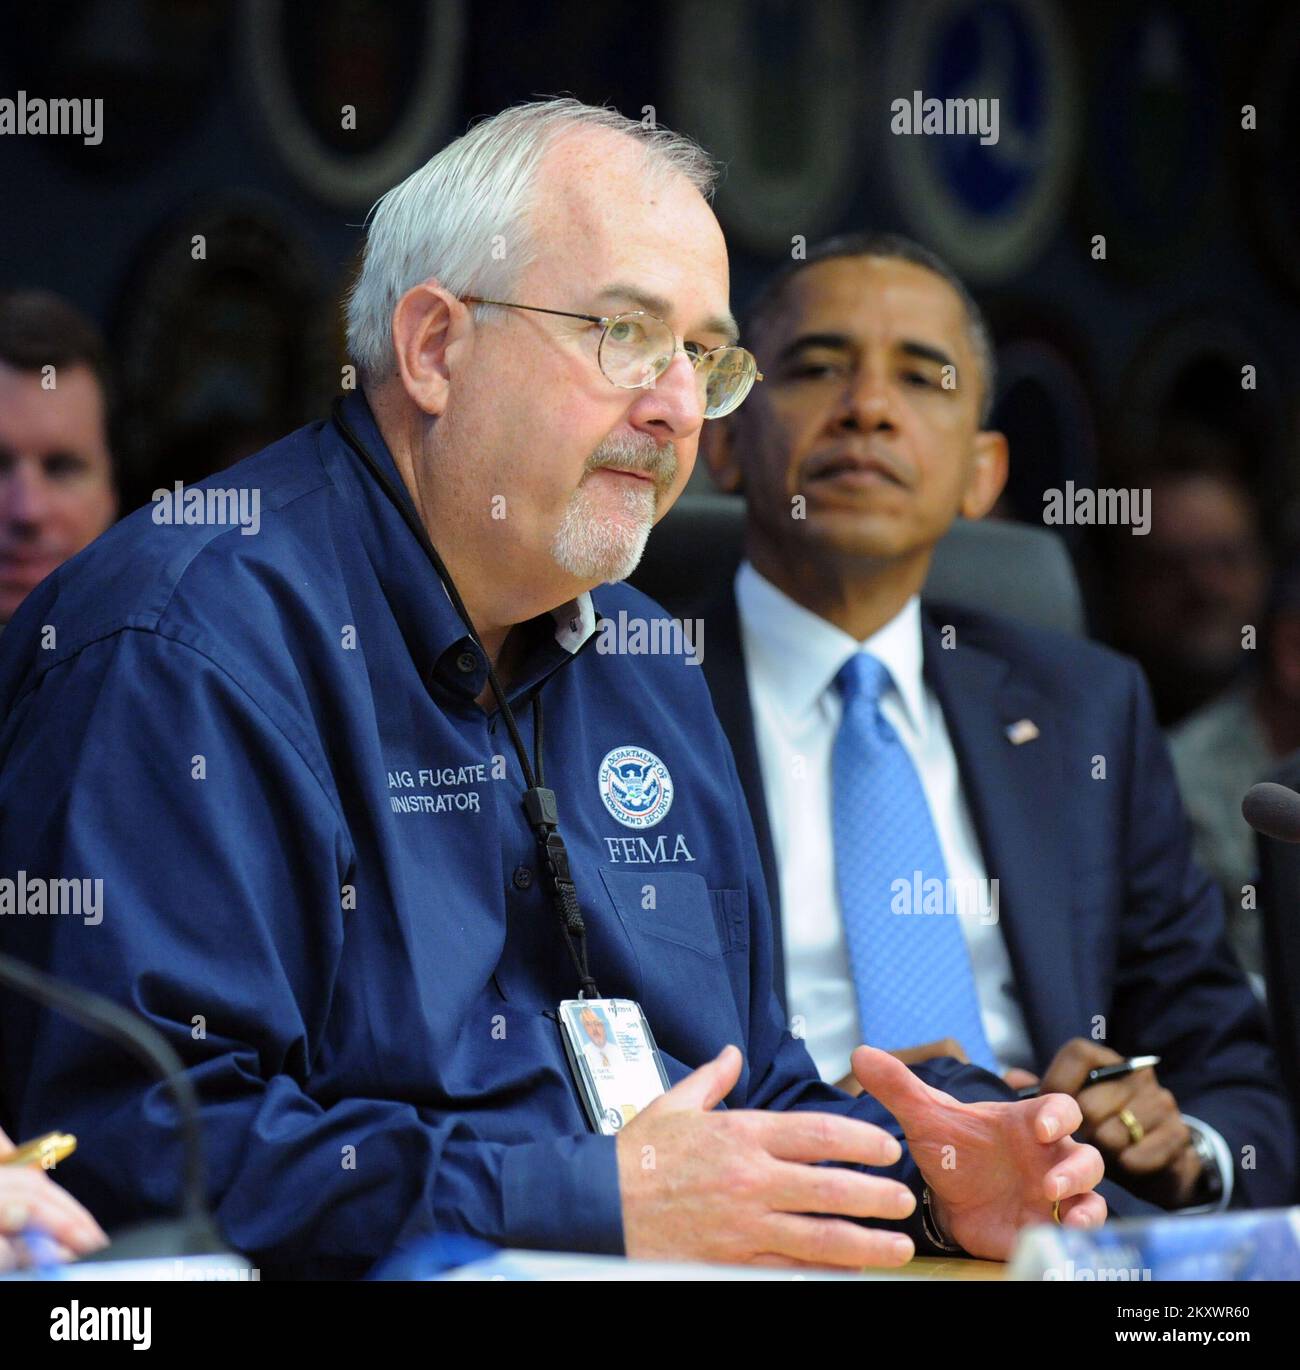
point(430, 1256)
point(1260, 1245)
point(42, 1249)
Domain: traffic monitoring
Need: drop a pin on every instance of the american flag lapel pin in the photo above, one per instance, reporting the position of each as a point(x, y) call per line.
point(1022, 731)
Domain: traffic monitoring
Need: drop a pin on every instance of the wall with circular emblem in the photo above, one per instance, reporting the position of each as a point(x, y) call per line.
point(1114, 183)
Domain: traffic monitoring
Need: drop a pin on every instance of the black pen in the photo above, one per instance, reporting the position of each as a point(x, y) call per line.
point(1100, 1073)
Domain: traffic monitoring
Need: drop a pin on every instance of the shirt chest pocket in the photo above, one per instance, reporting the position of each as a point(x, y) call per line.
point(691, 945)
point(677, 907)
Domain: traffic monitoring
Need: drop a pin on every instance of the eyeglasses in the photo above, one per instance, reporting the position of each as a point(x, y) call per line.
point(637, 348)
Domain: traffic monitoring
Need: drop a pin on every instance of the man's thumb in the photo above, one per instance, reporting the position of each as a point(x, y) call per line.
point(708, 1086)
point(889, 1081)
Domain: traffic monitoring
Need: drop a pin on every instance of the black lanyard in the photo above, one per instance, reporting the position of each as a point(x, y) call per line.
point(539, 803)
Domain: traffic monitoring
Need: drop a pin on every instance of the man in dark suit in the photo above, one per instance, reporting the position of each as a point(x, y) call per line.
point(906, 762)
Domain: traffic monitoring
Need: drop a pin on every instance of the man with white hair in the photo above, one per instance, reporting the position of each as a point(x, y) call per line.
point(346, 872)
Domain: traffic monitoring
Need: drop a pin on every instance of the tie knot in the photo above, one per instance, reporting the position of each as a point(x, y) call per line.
point(862, 677)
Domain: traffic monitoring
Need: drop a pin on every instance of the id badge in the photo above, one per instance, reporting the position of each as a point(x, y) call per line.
point(614, 1059)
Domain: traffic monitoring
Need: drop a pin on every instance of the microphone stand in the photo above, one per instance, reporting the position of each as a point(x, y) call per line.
point(193, 1233)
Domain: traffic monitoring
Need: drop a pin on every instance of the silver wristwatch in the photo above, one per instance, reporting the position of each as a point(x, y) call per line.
point(1209, 1186)
point(930, 1226)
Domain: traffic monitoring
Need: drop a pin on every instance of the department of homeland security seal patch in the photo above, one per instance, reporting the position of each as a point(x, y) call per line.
point(635, 786)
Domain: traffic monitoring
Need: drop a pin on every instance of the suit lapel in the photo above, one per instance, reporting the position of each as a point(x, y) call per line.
point(1014, 793)
point(724, 669)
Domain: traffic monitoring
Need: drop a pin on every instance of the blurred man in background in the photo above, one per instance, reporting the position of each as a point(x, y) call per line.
point(57, 494)
point(1235, 740)
point(1183, 593)
point(57, 490)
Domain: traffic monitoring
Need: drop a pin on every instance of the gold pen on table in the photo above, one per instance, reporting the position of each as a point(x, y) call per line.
point(46, 1151)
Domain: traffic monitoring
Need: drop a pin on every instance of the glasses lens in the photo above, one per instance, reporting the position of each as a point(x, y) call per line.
point(726, 376)
point(636, 350)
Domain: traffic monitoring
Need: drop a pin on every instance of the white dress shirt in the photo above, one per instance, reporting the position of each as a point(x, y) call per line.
point(792, 657)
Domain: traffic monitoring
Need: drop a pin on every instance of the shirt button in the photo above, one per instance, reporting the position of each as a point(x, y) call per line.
point(523, 877)
point(467, 663)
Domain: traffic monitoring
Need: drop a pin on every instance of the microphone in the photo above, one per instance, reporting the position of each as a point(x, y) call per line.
point(1273, 810)
point(193, 1233)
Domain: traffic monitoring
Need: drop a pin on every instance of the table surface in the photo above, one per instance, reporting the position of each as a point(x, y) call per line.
point(543, 1265)
point(951, 1268)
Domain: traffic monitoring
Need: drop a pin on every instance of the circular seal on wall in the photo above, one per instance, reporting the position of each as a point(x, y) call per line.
point(777, 98)
point(989, 202)
point(359, 97)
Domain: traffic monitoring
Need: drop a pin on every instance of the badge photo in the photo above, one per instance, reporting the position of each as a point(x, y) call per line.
point(614, 1060)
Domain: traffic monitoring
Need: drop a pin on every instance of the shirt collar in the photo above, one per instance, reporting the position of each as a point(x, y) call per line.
point(434, 632)
point(575, 622)
point(804, 652)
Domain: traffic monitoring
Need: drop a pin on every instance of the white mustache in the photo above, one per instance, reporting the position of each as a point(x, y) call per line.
point(637, 454)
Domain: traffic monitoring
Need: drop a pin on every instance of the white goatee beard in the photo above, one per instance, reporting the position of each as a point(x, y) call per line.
point(601, 547)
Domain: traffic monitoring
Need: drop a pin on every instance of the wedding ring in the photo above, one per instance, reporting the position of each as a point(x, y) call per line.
point(1135, 1129)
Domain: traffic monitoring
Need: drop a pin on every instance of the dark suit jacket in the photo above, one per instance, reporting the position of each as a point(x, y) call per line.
point(1108, 921)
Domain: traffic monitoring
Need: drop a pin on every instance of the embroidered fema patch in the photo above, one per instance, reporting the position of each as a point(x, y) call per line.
point(635, 786)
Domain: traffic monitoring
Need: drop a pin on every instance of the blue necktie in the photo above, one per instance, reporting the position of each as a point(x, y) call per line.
point(911, 969)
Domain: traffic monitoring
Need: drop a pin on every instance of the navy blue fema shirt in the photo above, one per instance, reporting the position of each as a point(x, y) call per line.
point(315, 869)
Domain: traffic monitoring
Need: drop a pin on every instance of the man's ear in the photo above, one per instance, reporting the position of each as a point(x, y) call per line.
point(430, 327)
point(988, 474)
point(718, 448)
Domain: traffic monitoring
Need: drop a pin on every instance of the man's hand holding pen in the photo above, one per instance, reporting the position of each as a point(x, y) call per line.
point(1131, 1118)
